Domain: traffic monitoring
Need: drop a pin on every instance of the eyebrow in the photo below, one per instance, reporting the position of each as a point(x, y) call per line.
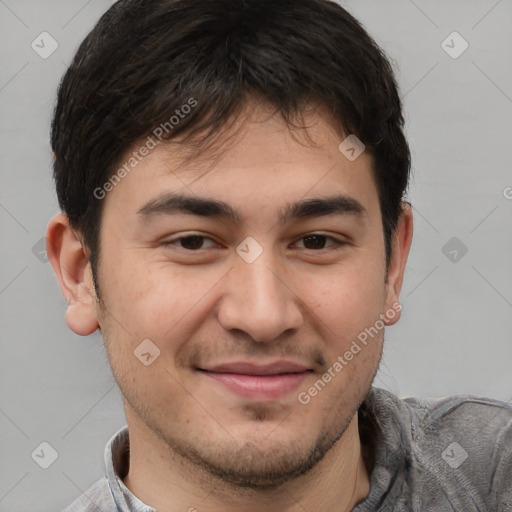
point(171, 203)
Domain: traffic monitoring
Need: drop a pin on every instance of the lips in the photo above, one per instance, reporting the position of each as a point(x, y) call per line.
point(246, 368)
point(267, 382)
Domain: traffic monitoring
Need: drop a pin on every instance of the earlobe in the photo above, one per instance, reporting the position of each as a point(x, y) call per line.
point(401, 245)
point(73, 271)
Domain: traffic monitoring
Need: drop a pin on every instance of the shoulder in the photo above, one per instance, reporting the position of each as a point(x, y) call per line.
point(97, 498)
point(439, 407)
point(481, 423)
point(464, 444)
point(450, 453)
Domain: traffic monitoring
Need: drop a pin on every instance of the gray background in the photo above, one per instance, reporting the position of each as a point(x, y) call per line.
point(454, 335)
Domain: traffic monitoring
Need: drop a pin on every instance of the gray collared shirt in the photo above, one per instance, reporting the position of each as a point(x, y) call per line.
point(450, 454)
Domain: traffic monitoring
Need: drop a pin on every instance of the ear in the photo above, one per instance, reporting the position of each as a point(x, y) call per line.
point(73, 270)
point(401, 243)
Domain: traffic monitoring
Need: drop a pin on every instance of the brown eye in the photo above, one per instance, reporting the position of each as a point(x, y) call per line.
point(192, 242)
point(314, 241)
point(318, 242)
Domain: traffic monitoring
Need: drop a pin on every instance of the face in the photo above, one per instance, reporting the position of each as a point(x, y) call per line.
point(247, 300)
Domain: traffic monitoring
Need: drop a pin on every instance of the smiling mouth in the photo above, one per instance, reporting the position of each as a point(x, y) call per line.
point(258, 382)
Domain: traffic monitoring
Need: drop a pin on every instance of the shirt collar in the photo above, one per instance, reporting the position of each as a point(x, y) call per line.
point(117, 462)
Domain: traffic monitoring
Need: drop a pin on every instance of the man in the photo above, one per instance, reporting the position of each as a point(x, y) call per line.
point(232, 178)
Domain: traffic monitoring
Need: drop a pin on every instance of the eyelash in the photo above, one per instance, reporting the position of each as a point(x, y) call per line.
point(337, 244)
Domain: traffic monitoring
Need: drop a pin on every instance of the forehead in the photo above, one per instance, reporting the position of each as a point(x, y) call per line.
point(258, 158)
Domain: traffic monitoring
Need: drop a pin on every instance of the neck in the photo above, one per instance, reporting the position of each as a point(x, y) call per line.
point(169, 483)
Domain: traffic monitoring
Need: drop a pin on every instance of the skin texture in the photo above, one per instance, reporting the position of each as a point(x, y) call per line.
point(194, 443)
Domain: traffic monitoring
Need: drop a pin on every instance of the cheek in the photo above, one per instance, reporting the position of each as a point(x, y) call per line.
point(156, 301)
point(153, 302)
point(344, 301)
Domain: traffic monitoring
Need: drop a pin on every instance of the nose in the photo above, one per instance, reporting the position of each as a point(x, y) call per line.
point(259, 300)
